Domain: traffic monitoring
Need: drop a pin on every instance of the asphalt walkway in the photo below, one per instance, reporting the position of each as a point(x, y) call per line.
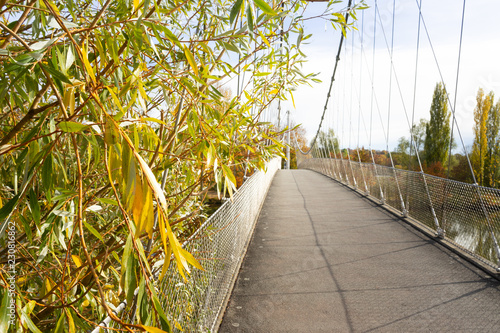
point(324, 259)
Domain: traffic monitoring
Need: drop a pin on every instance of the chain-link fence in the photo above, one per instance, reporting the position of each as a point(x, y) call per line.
point(219, 245)
point(197, 305)
point(467, 215)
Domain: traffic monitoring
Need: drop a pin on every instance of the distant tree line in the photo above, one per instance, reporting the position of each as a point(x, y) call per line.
point(433, 140)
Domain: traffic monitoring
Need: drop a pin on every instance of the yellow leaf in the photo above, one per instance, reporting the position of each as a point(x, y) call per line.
point(143, 208)
point(85, 60)
point(77, 260)
point(190, 259)
point(147, 214)
point(71, 323)
point(247, 95)
point(293, 101)
point(137, 206)
point(48, 286)
point(178, 326)
point(166, 262)
point(54, 7)
point(190, 59)
point(152, 329)
point(168, 249)
point(111, 136)
point(142, 91)
point(69, 99)
point(114, 162)
point(115, 99)
point(264, 39)
point(154, 120)
point(182, 257)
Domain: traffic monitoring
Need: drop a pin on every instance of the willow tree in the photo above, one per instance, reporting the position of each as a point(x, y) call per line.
point(111, 120)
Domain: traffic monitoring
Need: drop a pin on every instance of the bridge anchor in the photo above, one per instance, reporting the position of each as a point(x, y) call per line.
point(440, 233)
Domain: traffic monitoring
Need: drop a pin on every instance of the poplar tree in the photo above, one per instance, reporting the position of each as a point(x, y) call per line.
point(492, 161)
point(480, 145)
point(437, 130)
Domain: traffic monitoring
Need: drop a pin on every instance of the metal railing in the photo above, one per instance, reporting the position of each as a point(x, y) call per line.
point(464, 214)
point(197, 305)
point(219, 245)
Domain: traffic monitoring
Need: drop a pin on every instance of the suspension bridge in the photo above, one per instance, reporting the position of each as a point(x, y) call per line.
point(325, 258)
point(345, 245)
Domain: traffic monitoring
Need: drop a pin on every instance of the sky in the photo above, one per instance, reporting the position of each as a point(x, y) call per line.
point(359, 114)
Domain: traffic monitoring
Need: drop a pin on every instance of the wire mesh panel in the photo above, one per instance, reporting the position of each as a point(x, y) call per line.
point(194, 305)
point(467, 214)
point(219, 245)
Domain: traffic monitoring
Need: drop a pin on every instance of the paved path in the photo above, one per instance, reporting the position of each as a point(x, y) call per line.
point(323, 259)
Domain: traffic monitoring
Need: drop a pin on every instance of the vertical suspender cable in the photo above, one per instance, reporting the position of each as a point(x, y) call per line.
point(382, 200)
point(359, 118)
point(343, 119)
point(439, 230)
point(445, 192)
point(350, 133)
point(403, 208)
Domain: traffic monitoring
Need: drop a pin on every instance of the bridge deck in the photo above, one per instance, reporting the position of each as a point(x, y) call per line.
point(322, 259)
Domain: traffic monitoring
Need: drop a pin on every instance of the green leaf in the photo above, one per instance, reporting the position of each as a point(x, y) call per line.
point(108, 201)
point(142, 315)
point(229, 174)
point(72, 127)
point(231, 47)
point(56, 74)
point(264, 7)
point(190, 59)
point(34, 206)
point(60, 324)
point(235, 10)
point(129, 175)
point(27, 320)
point(163, 318)
point(5, 212)
point(4, 311)
point(27, 228)
point(93, 231)
point(250, 22)
point(128, 279)
point(47, 174)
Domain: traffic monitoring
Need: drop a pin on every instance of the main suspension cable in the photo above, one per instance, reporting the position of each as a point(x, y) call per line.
point(337, 59)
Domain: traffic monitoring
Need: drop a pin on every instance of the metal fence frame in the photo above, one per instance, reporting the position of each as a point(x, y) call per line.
point(467, 216)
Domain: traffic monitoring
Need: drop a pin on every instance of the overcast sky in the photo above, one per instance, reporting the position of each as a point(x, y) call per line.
point(352, 93)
